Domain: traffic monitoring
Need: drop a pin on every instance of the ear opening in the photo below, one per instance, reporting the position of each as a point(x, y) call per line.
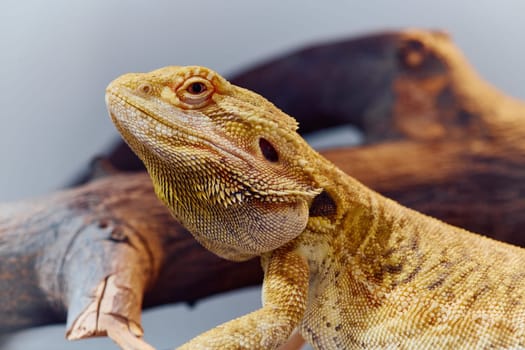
point(323, 205)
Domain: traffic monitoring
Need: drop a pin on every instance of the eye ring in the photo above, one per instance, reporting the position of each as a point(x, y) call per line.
point(195, 92)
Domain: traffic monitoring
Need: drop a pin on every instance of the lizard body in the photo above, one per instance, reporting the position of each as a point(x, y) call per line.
point(350, 268)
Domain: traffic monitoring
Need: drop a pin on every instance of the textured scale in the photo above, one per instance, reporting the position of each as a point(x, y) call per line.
point(349, 268)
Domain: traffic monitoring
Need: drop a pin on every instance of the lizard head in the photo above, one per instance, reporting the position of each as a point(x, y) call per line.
point(226, 162)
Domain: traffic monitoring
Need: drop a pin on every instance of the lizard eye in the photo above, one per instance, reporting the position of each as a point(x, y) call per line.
point(268, 151)
point(196, 88)
point(195, 92)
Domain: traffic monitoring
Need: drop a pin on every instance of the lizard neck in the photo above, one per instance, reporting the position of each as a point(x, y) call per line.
point(353, 203)
point(362, 230)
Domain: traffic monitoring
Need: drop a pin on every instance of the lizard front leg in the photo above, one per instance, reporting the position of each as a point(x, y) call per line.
point(285, 289)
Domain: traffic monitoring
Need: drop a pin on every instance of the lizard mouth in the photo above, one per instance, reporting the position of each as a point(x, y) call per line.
point(154, 127)
point(180, 129)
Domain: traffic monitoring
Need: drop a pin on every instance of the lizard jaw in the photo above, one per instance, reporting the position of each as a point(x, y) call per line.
point(233, 200)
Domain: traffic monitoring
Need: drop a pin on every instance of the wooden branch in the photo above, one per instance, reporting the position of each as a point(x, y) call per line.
point(477, 186)
point(439, 140)
point(94, 251)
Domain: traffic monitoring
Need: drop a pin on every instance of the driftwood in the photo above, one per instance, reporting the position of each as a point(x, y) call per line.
point(94, 251)
point(438, 139)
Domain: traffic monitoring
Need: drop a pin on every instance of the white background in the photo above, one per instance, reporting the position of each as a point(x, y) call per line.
point(56, 57)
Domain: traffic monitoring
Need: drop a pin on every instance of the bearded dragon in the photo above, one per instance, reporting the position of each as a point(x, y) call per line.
point(347, 267)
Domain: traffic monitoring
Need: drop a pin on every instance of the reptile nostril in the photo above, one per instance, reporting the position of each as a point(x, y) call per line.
point(145, 88)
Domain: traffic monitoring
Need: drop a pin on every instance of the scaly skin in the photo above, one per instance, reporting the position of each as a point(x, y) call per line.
point(348, 267)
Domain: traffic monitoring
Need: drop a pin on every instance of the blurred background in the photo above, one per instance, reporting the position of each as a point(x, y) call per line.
point(57, 56)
